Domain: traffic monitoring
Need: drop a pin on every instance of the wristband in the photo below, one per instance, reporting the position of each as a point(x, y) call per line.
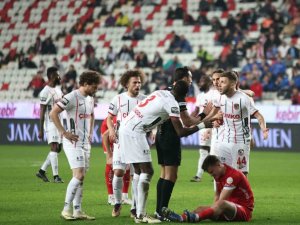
point(202, 115)
point(201, 126)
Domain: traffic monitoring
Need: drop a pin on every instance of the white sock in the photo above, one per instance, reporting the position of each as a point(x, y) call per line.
point(46, 163)
point(71, 190)
point(124, 196)
point(54, 162)
point(117, 188)
point(134, 184)
point(142, 194)
point(78, 198)
point(203, 155)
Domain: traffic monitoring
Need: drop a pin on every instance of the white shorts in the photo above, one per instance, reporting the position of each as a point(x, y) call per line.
point(118, 162)
point(134, 147)
point(235, 155)
point(53, 135)
point(205, 137)
point(78, 157)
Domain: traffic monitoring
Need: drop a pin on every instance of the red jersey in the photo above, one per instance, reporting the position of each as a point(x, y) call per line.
point(104, 128)
point(236, 180)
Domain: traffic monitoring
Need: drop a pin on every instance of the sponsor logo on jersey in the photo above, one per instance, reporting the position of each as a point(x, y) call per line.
point(229, 180)
point(138, 113)
point(111, 106)
point(231, 116)
point(125, 114)
point(175, 110)
point(79, 158)
point(64, 101)
point(146, 152)
point(84, 116)
point(236, 106)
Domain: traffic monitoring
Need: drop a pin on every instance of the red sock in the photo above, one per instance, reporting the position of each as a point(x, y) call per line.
point(126, 181)
point(206, 214)
point(109, 174)
point(184, 217)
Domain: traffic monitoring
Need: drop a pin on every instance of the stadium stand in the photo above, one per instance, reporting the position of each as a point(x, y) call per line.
point(257, 38)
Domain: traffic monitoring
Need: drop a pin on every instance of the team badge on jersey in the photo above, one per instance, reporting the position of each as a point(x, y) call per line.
point(236, 106)
point(241, 152)
point(175, 110)
point(229, 180)
point(43, 99)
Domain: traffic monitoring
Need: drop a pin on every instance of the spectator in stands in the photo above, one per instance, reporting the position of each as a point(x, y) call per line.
point(295, 98)
point(266, 83)
point(231, 22)
point(240, 51)
point(42, 67)
point(37, 47)
point(110, 20)
point(252, 16)
point(197, 73)
point(220, 5)
point(160, 79)
point(267, 9)
point(185, 46)
point(226, 37)
point(146, 84)
point(171, 65)
point(89, 49)
point(175, 44)
point(204, 6)
point(78, 27)
point(102, 66)
point(141, 60)
point(257, 88)
point(170, 14)
point(111, 55)
point(202, 19)
point(36, 84)
point(79, 50)
point(188, 19)
point(69, 87)
point(289, 29)
point(48, 46)
point(71, 74)
point(126, 54)
point(178, 12)
point(138, 33)
point(294, 51)
point(215, 24)
point(112, 83)
point(92, 63)
point(283, 49)
point(25, 62)
point(296, 76)
point(157, 61)
point(58, 65)
point(122, 20)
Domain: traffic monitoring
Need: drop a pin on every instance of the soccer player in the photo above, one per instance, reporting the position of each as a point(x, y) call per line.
point(121, 106)
point(48, 97)
point(234, 199)
point(203, 98)
point(237, 109)
point(169, 147)
point(79, 105)
point(109, 173)
point(151, 112)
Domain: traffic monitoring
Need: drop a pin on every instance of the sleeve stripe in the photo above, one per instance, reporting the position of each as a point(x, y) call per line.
point(60, 106)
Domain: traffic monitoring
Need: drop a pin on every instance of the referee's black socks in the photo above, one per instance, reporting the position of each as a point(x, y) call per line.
point(164, 192)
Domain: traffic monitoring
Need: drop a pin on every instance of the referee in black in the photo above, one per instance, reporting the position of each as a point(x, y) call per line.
point(169, 148)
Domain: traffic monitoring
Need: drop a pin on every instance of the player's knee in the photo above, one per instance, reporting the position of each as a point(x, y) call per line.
point(220, 205)
point(119, 173)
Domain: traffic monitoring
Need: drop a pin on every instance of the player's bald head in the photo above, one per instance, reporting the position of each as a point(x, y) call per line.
point(180, 89)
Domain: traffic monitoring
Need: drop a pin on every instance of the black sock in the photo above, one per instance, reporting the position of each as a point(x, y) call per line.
point(166, 192)
point(42, 171)
point(55, 176)
point(158, 194)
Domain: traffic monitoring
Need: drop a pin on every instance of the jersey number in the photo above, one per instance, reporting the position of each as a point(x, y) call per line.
point(147, 100)
point(241, 162)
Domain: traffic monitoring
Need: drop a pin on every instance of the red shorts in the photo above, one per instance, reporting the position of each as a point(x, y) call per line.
point(242, 214)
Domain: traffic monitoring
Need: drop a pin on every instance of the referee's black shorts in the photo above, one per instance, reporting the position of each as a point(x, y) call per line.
point(168, 146)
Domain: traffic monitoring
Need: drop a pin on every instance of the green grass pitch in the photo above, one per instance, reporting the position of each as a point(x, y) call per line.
point(24, 199)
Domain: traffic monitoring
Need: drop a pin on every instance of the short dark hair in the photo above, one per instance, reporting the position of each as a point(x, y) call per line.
point(180, 73)
point(230, 75)
point(90, 77)
point(210, 160)
point(181, 89)
point(219, 70)
point(131, 73)
point(50, 71)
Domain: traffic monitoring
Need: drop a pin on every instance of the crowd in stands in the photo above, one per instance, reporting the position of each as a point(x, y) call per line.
point(268, 63)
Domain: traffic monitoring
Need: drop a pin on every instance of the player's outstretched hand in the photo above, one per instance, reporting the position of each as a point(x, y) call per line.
point(266, 133)
point(41, 134)
point(71, 137)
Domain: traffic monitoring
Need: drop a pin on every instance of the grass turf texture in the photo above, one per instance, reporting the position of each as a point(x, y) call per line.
point(25, 199)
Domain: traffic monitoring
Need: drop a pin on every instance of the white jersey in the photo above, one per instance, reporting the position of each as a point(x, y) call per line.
point(122, 104)
point(151, 112)
point(79, 110)
point(48, 97)
point(237, 111)
point(216, 132)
